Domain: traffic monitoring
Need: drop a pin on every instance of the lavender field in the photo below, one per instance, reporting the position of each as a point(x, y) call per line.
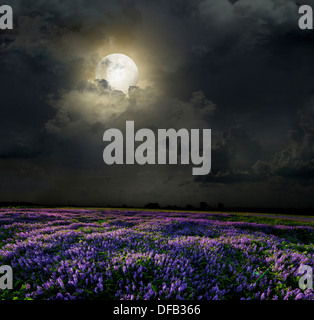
point(111, 254)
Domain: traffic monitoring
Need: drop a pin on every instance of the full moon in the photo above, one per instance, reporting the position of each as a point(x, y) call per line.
point(119, 70)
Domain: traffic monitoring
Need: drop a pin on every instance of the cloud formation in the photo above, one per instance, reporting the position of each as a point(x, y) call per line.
point(241, 68)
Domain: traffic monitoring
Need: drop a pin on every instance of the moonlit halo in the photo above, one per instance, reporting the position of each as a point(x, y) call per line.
point(119, 70)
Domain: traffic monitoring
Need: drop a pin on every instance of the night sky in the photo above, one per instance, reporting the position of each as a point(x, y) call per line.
point(242, 68)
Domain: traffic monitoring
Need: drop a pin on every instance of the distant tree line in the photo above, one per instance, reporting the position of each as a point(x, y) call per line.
point(203, 206)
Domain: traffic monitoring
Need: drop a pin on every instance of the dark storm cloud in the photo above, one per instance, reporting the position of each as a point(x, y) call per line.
point(23, 111)
point(35, 64)
point(238, 157)
point(241, 68)
point(234, 154)
point(297, 160)
point(84, 112)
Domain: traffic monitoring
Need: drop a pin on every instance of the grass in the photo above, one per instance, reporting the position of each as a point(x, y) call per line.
point(238, 217)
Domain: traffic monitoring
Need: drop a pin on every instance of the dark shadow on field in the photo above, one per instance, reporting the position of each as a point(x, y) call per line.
point(295, 234)
point(122, 223)
point(187, 228)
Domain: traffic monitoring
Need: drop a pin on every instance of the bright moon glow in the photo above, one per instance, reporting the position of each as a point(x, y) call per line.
point(119, 70)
